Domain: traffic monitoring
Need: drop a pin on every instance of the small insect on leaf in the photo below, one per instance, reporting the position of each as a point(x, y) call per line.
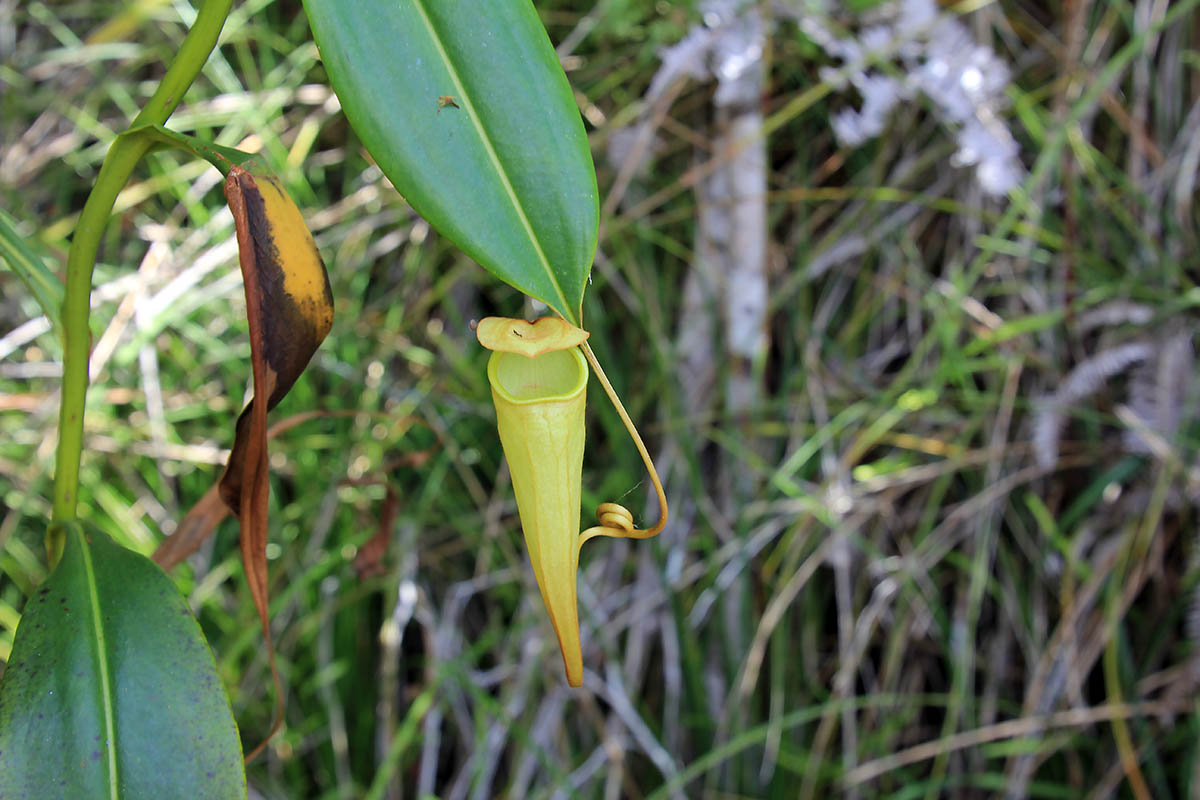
point(446, 100)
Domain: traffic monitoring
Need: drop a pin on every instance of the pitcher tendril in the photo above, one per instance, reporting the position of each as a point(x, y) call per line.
point(613, 516)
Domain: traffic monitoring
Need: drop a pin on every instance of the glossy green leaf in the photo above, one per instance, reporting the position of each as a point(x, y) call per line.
point(465, 108)
point(112, 691)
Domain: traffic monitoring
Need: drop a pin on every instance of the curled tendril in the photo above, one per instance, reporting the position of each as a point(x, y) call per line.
point(613, 516)
point(616, 520)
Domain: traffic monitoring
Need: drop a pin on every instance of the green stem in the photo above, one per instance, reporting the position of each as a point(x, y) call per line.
point(118, 165)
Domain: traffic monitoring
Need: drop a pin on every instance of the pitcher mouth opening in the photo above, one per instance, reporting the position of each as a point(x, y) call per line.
point(557, 375)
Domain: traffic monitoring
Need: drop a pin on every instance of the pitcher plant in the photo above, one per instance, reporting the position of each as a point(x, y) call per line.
point(538, 373)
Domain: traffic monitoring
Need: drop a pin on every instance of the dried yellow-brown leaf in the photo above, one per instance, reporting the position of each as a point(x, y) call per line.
point(289, 308)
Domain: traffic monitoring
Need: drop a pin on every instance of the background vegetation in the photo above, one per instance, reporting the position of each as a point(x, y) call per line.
point(934, 516)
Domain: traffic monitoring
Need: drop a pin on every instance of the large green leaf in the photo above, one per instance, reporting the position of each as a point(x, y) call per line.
point(112, 691)
point(464, 106)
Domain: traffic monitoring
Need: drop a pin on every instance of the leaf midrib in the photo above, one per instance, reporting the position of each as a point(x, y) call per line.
point(469, 110)
point(110, 739)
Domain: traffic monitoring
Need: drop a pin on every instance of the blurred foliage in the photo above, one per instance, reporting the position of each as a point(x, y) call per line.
point(853, 586)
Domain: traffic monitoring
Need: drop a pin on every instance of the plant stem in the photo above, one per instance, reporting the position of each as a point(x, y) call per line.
point(118, 165)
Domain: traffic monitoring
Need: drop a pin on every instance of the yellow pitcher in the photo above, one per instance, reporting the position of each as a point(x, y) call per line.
point(538, 373)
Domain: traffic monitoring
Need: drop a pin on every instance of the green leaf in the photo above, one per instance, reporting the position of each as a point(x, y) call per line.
point(466, 110)
point(112, 691)
point(45, 286)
